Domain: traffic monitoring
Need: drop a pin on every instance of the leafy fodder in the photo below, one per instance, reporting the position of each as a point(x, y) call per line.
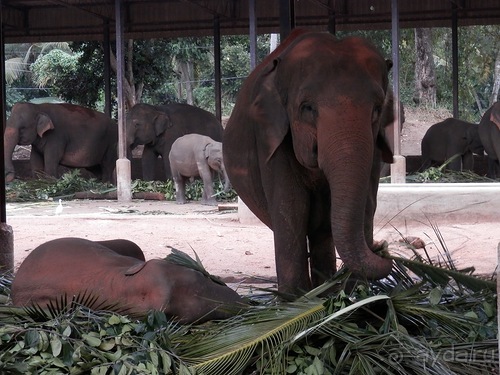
point(50, 188)
point(443, 175)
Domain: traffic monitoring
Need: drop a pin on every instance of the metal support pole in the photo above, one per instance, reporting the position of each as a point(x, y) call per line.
point(217, 69)
point(252, 20)
point(123, 168)
point(454, 58)
point(6, 232)
point(287, 18)
point(398, 168)
point(3, 213)
point(107, 70)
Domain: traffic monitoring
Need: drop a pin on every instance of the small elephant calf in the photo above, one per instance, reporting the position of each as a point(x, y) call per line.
point(196, 155)
point(68, 267)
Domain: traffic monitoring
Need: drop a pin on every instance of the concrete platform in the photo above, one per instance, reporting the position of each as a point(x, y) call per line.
point(463, 203)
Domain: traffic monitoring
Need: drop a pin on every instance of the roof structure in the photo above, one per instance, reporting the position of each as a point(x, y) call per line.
point(64, 20)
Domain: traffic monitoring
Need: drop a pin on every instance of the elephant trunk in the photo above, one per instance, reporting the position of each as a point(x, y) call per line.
point(11, 138)
point(345, 156)
point(227, 183)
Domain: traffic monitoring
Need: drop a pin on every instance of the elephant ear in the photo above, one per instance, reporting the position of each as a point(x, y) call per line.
point(386, 118)
point(267, 109)
point(207, 150)
point(495, 114)
point(43, 124)
point(135, 269)
point(161, 123)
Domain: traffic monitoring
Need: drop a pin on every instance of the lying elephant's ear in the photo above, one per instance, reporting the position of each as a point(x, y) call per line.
point(135, 269)
point(495, 114)
point(267, 109)
point(43, 124)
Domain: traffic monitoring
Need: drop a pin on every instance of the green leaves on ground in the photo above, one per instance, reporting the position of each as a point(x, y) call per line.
point(46, 187)
point(421, 319)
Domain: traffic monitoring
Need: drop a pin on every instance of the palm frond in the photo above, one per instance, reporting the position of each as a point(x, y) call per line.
point(234, 346)
point(442, 276)
point(181, 258)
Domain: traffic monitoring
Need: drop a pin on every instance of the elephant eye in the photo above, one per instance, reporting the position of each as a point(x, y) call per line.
point(308, 112)
point(377, 110)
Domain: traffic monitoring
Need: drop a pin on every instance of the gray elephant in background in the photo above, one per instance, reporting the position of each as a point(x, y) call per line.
point(448, 138)
point(489, 132)
point(158, 126)
point(196, 155)
point(62, 134)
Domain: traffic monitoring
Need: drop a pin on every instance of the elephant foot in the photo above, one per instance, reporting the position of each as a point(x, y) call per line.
point(9, 177)
point(379, 246)
point(415, 242)
point(181, 201)
point(209, 202)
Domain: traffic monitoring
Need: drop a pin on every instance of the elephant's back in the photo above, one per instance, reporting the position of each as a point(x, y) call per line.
point(51, 266)
point(195, 120)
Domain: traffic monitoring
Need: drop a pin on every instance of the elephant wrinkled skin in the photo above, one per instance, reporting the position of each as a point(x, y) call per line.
point(489, 132)
point(75, 266)
point(62, 134)
point(158, 126)
point(196, 155)
point(303, 149)
point(449, 138)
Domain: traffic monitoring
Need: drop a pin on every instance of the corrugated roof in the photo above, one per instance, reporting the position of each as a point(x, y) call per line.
point(52, 20)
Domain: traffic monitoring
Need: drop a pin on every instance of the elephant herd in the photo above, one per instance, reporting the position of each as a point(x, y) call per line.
point(459, 140)
point(303, 149)
point(77, 137)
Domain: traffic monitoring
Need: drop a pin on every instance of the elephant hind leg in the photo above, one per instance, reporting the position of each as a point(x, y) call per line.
point(180, 189)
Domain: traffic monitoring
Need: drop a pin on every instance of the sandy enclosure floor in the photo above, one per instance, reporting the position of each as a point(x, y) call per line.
point(227, 248)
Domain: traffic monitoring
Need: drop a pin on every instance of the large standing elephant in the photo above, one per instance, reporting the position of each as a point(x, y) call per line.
point(303, 149)
point(448, 138)
point(68, 267)
point(157, 127)
point(489, 132)
point(62, 134)
point(196, 155)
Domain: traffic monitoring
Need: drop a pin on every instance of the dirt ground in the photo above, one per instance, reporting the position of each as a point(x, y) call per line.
point(227, 247)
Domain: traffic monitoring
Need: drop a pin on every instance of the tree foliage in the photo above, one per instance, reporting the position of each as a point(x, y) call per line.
point(182, 69)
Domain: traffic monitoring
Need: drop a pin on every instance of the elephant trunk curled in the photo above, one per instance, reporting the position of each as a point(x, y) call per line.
point(348, 171)
point(11, 138)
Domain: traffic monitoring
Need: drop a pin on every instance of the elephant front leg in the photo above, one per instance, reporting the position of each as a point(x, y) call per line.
point(148, 163)
point(468, 161)
point(36, 162)
point(208, 197)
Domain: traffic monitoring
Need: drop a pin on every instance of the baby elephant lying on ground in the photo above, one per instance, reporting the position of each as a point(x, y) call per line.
point(68, 267)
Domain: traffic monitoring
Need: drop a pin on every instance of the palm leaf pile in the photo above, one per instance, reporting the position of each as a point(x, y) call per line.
point(422, 319)
point(49, 188)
